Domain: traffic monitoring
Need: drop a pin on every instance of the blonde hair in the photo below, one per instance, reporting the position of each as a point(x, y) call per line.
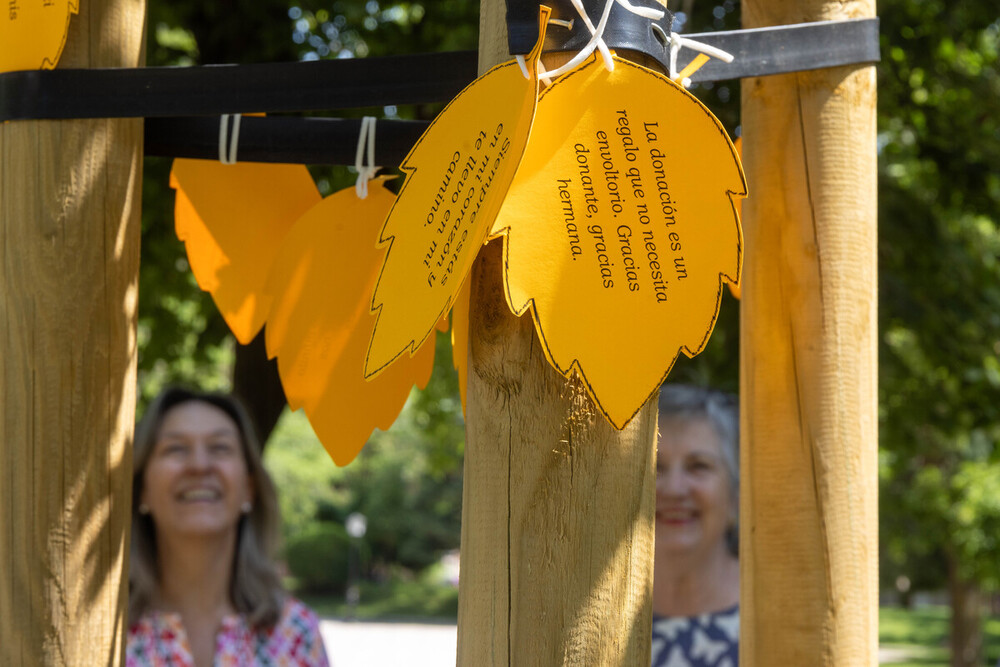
point(255, 589)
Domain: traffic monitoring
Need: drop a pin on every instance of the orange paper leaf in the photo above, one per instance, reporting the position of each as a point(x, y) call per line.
point(621, 229)
point(232, 219)
point(320, 323)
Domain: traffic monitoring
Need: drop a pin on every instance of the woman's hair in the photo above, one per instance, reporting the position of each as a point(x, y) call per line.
point(721, 411)
point(255, 590)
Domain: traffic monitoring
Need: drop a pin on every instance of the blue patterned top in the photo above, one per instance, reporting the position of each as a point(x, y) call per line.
point(708, 640)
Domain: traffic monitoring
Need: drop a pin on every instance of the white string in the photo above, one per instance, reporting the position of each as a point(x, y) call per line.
point(365, 172)
point(609, 62)
point(229, 156)
point(645, 12)
point(543, 75)
point(677, 42)
point(524, 67)
point(223, 126)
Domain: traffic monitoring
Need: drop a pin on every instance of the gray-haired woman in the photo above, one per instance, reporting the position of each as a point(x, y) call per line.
point(696, 572)
point(203, 587)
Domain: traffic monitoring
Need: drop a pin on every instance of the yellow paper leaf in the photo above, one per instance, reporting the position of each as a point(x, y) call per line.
point(456, 177)
point(33, 33)
point(232, 219)
point(621, 229)
point(460, 338)
point(320, 323)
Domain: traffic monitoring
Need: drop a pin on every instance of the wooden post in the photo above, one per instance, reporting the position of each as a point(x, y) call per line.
point(558, 507)
point(69, 242)
point(809, 522)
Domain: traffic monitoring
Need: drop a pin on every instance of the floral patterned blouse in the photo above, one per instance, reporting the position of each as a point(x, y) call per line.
point(158, 639)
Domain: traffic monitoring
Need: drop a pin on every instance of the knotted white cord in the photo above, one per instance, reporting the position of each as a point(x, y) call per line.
point(597, 34)
point(677, 42)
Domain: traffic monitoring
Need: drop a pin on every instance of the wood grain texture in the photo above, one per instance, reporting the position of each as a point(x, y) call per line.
point(558, 507)
point(809, 522)
point(69, 243)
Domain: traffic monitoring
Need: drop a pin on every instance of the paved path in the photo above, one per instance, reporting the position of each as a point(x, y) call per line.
point(364, 644)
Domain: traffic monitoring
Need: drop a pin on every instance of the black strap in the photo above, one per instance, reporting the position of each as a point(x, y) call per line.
point(217, 89)
point(375, 82)
point(282, 139)
point(757, 52)
point(787, 48)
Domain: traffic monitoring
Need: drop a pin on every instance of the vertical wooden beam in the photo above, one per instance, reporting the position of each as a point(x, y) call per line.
point(69, 243)
point(558, 507)
point(809, 528)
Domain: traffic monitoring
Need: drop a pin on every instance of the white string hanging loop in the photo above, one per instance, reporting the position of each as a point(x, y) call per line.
point(228, 155)
point(366, 140)
point(677, 42)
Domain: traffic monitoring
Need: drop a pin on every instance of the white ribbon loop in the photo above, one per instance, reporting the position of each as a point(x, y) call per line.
point(229, 156)
point(365, 172)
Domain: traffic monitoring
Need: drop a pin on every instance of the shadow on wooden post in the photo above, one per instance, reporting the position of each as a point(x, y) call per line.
point(70, 196)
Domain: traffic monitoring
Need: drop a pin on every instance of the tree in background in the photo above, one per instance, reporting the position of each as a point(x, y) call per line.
point(939, 190)
point(407, 482)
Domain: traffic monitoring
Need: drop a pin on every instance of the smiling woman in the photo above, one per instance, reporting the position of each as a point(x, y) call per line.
point(203, 587)
point(696, 572)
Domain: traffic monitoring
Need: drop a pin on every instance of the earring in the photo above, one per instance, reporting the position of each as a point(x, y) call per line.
point(246, 507)
point(143, 508)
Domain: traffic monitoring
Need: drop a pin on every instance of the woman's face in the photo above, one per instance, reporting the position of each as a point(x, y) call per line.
point(196, 479)
point(694, 503)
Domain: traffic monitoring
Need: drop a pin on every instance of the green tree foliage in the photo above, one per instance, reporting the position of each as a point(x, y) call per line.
point(939, 147)
point(407, 481)
point(939, 141)
point(318, 557)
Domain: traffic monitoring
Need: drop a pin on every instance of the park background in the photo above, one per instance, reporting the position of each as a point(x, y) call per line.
point(939, 324)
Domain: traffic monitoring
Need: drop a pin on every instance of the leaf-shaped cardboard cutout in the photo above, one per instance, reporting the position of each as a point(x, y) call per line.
point(33, 33)
point(620, 229)
point(457, 175)
point(232, 219)
point(320, 323)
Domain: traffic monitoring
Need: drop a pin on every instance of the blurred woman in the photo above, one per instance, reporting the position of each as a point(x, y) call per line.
point(203, 588)
point(696, 571)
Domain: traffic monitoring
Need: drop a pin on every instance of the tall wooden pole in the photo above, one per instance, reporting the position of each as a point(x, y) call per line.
point(69, 243)
point(558, 508)
point(809, 527)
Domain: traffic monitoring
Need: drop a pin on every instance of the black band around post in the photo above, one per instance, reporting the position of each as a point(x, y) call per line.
point(624, 30)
